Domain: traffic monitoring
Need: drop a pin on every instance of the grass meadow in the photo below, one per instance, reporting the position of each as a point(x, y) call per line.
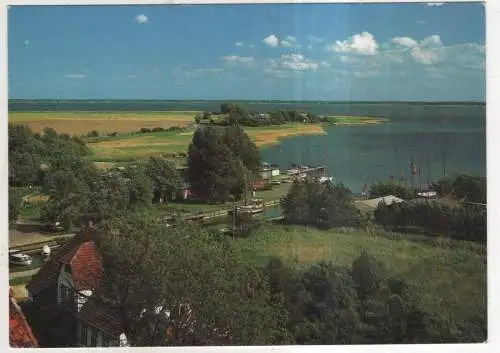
point(448, 277)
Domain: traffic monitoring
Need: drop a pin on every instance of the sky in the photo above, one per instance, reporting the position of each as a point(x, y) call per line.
point(391, 52)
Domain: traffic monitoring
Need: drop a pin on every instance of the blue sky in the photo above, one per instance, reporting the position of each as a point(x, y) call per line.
point(306, 52)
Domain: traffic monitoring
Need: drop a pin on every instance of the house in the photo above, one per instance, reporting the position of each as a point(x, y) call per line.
point(20, 334)
point(269, 172)
point(66, 284)
point(369, 206)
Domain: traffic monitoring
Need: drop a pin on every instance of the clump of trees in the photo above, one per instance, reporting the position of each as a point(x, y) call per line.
point(188, 289)
point(463, 187)
point(192, 289)
point(400, 190)
point(328, 304)
point(464, 222)
point(323, 205)
point(222, 163)
point(234, 114)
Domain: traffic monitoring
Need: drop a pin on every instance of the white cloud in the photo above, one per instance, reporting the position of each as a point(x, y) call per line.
point(77, 76)
point(433, 40)
point(271, 40)
point(251, 46)
point(324, 64)
point(405, 41)
point(141, 18)
point(434, 3)
point(239, 44)
point(289, 41)
point(363, 44)
point(236, 58)
point(297, 62)
point(423, 56)
point(26, 42)
point(315, 40)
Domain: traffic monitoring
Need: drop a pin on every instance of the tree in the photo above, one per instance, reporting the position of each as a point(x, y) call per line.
point(214, 172)
point(391, 188)
point(140, 187)
point(24, 155)
point(15, 201)
point(295, 204)
point(185, 290)
point(470, 188)
point(68, 196)
point(243, 148)
point(165, 177)
point(320, 204)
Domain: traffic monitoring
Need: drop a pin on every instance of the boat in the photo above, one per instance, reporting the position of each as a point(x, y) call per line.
point(326, 179)
point(18, 258)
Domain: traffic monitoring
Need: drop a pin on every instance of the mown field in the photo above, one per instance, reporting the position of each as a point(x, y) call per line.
point(104, 122)
point(449, 279)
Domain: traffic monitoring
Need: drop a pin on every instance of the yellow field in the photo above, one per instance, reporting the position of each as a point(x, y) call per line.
point(82, 122)
point(265, 136)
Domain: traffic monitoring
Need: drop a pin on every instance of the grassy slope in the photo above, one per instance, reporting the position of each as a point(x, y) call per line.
point(451, 281)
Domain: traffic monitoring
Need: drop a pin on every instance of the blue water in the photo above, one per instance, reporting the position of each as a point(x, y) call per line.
point(441, 138)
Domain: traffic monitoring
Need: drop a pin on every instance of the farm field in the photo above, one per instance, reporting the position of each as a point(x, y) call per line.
point(78, 123)
point(450, 280)
point(129, 147)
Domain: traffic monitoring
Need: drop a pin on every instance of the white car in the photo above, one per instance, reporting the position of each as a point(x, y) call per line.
point(18, 258)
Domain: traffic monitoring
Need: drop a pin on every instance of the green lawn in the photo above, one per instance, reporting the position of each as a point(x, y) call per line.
point(448, 280)
point(20, 281)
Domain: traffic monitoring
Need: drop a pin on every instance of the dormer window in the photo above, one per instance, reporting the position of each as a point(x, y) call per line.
point(67, 269)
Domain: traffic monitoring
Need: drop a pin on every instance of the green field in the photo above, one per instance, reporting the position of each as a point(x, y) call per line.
point(129, 147)
point(449, 279)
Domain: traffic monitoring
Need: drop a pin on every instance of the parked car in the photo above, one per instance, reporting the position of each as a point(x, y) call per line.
point(18, 258)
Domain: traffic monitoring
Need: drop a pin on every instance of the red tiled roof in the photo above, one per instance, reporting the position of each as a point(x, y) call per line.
point(86, 266)
point(47, 276)
point(20, 335)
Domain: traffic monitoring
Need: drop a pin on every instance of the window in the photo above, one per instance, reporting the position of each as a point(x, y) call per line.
point(93, 338)
point(83, 335)
point(66, 293)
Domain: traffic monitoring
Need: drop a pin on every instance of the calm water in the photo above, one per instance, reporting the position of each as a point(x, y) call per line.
point(450, 137)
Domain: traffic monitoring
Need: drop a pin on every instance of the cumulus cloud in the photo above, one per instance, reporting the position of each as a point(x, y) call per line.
point(405, 41)
point(363, 44)
point(404, 54)
point(141, 18)
point(271, 41)
point(26, 42)
point(289, 41)
point(239, 44)
point(77, 76)
point(297, 62)
point(424, 52)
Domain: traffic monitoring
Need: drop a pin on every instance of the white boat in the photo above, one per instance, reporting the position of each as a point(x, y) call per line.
point(326, 179)
point(18, 258)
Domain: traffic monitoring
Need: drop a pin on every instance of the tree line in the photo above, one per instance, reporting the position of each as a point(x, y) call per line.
point(214, 297)
point(222, 164)
point(463, 222)
point(234, 114)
